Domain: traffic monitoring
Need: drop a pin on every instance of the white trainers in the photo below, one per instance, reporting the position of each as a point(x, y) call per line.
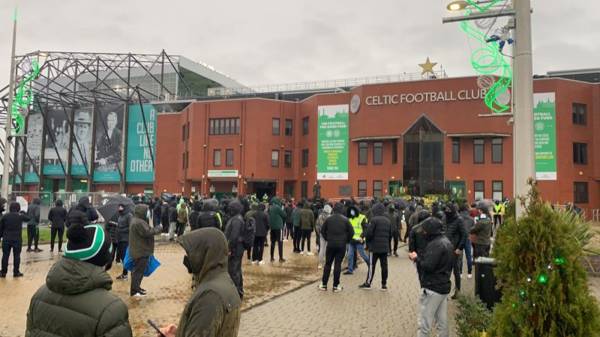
point(338, 289)
point(322, 287)
point(470, 276)
point(261, 262)
point(309, 254)
point(302, 253)
point(319, 266)
point(138, 295)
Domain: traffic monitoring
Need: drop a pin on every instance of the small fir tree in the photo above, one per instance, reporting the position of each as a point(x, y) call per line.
point(544, 284)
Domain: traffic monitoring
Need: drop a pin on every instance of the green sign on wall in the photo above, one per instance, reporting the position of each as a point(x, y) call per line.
point(141, 141)
point(544, 125)
point(332, 153)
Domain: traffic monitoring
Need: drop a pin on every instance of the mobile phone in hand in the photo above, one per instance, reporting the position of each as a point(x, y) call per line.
point(152, 324)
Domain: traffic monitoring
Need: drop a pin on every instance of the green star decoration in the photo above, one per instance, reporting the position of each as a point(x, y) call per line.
point(542, 279)
point(559, 261)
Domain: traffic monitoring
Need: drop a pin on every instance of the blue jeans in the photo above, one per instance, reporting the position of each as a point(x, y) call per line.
point(469, 255)
point(361, 250)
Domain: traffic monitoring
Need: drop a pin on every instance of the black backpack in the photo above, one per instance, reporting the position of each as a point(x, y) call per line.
point(248, 232)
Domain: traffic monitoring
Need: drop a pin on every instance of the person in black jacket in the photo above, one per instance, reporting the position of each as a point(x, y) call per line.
point(209, 217)
point(435, 265)
point(455, 232)
point(11, 225)
point(112, 228)
point(379, 233)
point(234, 234)
point(33, 230)
point(417, 241)
point(262, 228)
point(164, 217)
point(396, 228)
point(123, 224)
point(156, 212)
point(338, 232)
point(57, 217)
point(195, 214)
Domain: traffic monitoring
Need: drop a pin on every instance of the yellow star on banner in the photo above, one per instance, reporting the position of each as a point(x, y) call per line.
point(427, 66)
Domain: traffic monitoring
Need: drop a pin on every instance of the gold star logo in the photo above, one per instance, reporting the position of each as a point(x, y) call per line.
point(427, 66)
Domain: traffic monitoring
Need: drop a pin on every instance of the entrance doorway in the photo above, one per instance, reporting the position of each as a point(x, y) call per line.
point(260, 188)
point(424, 158)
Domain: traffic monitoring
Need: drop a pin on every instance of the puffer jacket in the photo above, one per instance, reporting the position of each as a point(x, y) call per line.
point(209, 217)
point(276, 215)
point(196, 208)
point(33, 212)
point(78, 215)
point(76, 302)
point(337, 230)
point(262, 222)
point(214, 307)
point(123, 224)
point(141, 234)
point(307, 218)
point(435, 265)
point(379, 230)
point(455, 230)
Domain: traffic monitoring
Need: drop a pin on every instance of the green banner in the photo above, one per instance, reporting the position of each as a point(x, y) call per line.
point(332, 153)
point(544, 125)
point(141, 141)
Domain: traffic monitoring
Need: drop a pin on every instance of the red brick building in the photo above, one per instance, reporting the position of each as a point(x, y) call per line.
point(426, 135)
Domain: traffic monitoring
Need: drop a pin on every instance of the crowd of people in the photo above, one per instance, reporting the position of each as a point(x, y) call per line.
point(217, 235)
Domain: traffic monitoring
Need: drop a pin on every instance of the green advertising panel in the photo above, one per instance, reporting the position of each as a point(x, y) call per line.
point(332, 153)
point(544, 125)
point(141, 140)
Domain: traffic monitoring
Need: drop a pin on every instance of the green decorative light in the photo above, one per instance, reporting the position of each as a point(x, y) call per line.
point(488, 60)
point(23, 98)
point(542, 279)
point(559, 261)
point(522, 294)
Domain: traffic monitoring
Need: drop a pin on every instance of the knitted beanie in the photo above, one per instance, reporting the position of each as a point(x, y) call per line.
point(88, 243)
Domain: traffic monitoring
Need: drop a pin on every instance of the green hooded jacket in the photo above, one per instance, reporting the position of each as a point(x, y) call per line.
point(276, 215)
point(214, 308)
point(307, 218)
point(141, 234)
point(76, 302)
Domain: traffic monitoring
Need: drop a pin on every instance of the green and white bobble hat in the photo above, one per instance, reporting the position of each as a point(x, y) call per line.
point(86, 250)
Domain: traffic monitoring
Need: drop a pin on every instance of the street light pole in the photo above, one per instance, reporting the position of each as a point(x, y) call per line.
point(523, 143)
point(8, 126)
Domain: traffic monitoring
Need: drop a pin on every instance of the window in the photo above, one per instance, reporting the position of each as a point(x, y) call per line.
point(183, 161)
point(304, 189)
point(394, 152)
point(289, 127)
point(497, 193)
point(363, 153)
point(229, 157)
point(478, 151)
point(579, 114)
point(580, 153)
point(456, 150)
point(287, 159)
point(377, 153)
point(362, 188)
point(497, 150)
point(305, 158)
point(581, 193)
point(377, 188)
point(275, 158)
point(275, 127)
point(479, 188)
point(183, 132)
point(221, 126)
point(216, 158)
point(305, 126)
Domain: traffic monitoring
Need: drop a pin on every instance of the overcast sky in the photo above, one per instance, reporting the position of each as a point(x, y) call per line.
point(270, 42)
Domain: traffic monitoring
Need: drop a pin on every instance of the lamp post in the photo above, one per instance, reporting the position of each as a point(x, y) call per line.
point(8, 126)
point(523, 143)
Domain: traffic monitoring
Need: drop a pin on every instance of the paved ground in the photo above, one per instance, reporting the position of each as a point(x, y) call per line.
point(353, 312)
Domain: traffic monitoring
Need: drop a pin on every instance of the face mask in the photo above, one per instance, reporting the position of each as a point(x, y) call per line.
point(187, 263)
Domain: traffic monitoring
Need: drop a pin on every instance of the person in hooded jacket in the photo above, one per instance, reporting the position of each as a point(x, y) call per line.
point(289, 223)
point(76, 300)
point(262, 227)
point(455, 232)
point(33, 231)
point(297, 233)
point(123, 225)
point(468, 224)
point(57, 217)
point(213, 310)
point(277, 218)
point(195, 214)
point(378, 234)
point(338, 232)
point(307, 225)
point(164, 217)
point(435, 265)
point(209, 217)
point(141, 247)
point(326, 213)
point(396, 228)
point(156, 212)
point(417, 240)
point(11, 226)
point(481, 233)
point(234, 234)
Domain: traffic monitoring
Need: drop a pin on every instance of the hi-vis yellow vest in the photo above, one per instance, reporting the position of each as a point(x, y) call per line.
point(357, 226)
point(499, 209)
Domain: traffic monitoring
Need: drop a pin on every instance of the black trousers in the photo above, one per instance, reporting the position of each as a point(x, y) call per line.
point(333, 255)
point(373, 257)
point(276, 237)
point(497, 223)
point(7, 246)
point(306, 238)
point(33, 235)
point(297, 237)
point(121, 249)
point(395, 237)
point(138, 274)
point(180, 228)
point(457, 270)
point(289, 227)
point(259, 248)
point(234, 267)
point(53, 231)
point(480, 250)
